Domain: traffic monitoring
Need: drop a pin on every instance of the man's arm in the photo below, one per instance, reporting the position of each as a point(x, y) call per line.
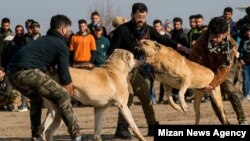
point(63, 66)
point(165, 40)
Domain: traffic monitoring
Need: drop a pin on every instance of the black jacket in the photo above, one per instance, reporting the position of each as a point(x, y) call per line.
point(5, 87)
point(126, 37)
point(44, 53)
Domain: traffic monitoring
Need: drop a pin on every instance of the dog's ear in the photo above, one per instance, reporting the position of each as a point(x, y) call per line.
point(158, 46)
point(145, 42)
point(127, 56)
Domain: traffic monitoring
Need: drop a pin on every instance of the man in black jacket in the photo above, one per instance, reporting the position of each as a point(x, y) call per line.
point(126, 36)
point(26, 73)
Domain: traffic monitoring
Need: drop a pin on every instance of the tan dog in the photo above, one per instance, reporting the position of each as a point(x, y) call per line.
point(100, 88)
point(175, 71)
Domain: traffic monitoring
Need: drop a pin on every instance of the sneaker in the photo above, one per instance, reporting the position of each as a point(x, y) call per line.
point(248, 97)
point(23, 108)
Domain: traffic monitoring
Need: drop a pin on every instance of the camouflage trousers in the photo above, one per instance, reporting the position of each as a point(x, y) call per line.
point(35, 84)
point(228, 88)
point(140, 86)
point(12, 99)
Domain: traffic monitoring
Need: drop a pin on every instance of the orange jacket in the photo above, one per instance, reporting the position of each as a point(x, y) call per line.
point(82, 47)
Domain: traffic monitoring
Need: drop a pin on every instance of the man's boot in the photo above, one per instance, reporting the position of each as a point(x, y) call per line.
point(151, 128)
point(122, 131)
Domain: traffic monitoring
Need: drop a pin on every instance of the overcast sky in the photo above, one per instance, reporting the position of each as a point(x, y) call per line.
point(42, 10)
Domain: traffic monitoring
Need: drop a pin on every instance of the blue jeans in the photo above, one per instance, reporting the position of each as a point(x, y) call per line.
point(246, 79)
point(152, 93)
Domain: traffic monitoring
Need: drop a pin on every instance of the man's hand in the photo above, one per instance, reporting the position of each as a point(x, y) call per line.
point(207, 88)
point(242, 62)
point(69, 88)
point(183, 49)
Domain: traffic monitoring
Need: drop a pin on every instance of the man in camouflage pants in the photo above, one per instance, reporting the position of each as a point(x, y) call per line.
point(26, 72)
point(228, 87)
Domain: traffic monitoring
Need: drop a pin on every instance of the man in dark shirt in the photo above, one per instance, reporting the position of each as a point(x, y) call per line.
point(27, 68)
point(126, 36)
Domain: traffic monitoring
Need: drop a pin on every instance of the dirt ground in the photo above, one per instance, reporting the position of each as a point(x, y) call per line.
point(15, 126)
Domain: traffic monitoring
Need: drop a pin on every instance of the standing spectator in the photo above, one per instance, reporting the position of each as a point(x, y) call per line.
point(102, 45)
point(26, 72)
point(7, 96)
point(14, 45)
point(5, 29)
point(196, 33)
point(28, 23)
point(117, 21)
point(126, 36)
point(95, 18)
point(244, 49)
point(168, 28)
point(232, 28)
point(192, 24)
point(82, 47)
point(35, 32)
point(6, 35)
point(243, 21)
point(217, 50)
point(157, 24)
point(178, 33)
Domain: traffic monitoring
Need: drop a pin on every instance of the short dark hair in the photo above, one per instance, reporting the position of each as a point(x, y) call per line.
point(59, 20)
point(177, 19)
point(17, 26)
point(198, 16)
point(217, 25)
point(228, 9)
point(95, 13)
point(5, 20)
point(157, 21)
point(141, 7)
point(28, 22)
point(192, 17)
point(81, 21)
point(2, 69)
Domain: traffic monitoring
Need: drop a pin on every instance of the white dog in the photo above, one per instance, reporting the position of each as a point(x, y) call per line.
point(100, 88)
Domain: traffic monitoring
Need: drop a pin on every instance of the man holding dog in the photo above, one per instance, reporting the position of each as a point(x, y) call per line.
point(126, 36)
point(27, 72)
point(217, 50)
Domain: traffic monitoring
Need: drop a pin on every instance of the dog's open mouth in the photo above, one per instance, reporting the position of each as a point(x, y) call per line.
point(140, 55)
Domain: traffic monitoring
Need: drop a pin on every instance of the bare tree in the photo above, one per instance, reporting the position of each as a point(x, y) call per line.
point(107, 11)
